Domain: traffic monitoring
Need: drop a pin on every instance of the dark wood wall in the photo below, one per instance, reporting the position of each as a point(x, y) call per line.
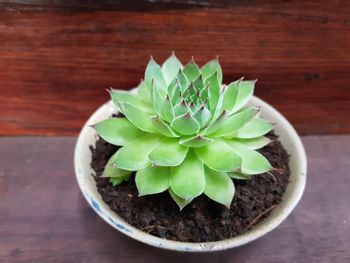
point(58, 57)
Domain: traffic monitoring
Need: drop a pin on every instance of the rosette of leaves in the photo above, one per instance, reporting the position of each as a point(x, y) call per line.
point(186, 133)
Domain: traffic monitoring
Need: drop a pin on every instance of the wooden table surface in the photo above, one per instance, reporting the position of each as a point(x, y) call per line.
point(44, 217)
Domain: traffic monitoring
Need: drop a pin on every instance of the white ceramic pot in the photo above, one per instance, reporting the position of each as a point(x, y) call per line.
point(287, 135)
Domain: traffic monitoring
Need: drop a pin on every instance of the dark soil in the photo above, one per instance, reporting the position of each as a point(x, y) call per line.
point(203, 219)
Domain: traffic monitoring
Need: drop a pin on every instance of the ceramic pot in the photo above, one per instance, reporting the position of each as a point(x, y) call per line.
point(288, 137)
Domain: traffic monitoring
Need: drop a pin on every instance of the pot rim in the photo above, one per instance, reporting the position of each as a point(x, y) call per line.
point(288, 203)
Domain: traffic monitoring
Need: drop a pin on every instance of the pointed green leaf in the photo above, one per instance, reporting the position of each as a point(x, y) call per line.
point(178, 200)
point(198, 84)
point(217, 124)
point(245, 92)
point(203, 116)
point(144, 92)
point(134, 156)
point(122, 96)
point(154, 73)
point(210, 68)
point(180, 109)
point(183, 81)
point(230, 95)
point(191, 70)
point(118, 180)
point(188, 180)
point(219, 156)
point(112, 170)
point(174, 90)
point(218, 108)
point(162, 105)
point(170, 68)
point(172, 87)
point(214, 91)
point(218, 118)
point(163, 128)
point(168, 153)
point(235, 122)
point(240, 176)
point(219, 187)
point(152, 180)
point(185, 125)
point(203, 94)
point(254, 143)
point(138, 117)
point(252, 161)
point(254, 128)
point(195, 141)
point(117, 131)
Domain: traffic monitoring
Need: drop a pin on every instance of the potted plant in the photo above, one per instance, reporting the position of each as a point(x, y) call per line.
point(184, 162)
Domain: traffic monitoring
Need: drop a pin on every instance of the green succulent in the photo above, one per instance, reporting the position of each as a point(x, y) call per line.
point(186, 133)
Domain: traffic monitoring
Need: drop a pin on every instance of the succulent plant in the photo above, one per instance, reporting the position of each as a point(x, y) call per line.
point(186, 133)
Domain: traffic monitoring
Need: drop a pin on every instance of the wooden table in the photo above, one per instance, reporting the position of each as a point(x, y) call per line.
point(44, 217)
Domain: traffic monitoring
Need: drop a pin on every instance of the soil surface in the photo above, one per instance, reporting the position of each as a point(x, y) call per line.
point(203, 219)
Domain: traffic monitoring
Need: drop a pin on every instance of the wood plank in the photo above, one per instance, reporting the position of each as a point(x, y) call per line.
point(57, 58)
point(44, 217)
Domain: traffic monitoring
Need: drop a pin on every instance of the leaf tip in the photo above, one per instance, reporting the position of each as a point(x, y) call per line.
point(257, 110)
point(109, 90)
point(224, 113)
point(181, 208)
point(187, 115)
point(192, 60)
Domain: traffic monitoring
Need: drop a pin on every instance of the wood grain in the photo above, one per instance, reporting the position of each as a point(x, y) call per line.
point(44, 217)
point(58, 57)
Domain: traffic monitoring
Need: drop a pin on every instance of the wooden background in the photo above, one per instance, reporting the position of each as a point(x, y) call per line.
point(58, 57)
